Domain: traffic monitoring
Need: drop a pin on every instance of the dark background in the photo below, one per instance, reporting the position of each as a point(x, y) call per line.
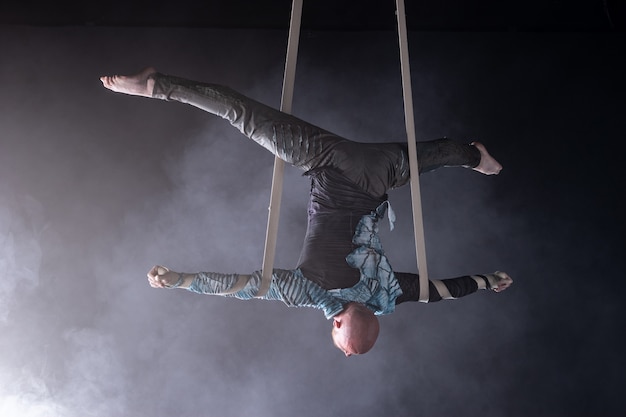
point(445, 15)
point(97, 187)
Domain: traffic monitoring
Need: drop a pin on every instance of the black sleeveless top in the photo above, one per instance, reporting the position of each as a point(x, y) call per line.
point(336, 206)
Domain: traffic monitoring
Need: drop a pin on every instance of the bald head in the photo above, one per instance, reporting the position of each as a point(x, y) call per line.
point(355, 329)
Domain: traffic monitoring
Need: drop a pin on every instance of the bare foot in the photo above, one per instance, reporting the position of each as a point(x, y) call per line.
point(488, 165)
point(140, 84)
point(502, 281)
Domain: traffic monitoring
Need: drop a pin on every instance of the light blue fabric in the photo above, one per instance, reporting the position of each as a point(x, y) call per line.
point(288, 286)
point(377, 288)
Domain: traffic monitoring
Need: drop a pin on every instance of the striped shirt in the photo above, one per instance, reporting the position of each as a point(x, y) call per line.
point(288, 286)
point(377, 287)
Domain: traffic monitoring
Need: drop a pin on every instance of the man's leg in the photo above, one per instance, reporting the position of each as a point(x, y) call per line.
point(295, 141)
point(448, 153)
point(375, 168)
point(379, 167)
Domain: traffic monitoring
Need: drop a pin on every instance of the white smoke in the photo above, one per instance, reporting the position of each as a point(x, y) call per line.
point(21, 226)
point(93, 382)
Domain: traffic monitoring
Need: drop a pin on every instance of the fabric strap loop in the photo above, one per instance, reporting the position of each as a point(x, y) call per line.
point(271, 234)
point(416, 200)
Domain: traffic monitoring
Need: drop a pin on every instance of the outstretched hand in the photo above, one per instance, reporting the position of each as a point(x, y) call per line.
point(162, 277)
point(503, 281)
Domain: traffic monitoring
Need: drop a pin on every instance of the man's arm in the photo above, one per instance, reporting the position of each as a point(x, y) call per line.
point(162, 277)
point(288, 286)
point(211, 283)
point(452, 288)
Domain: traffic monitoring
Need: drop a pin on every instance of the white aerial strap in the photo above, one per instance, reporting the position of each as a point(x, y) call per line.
point(416, 200)
point(279, 165)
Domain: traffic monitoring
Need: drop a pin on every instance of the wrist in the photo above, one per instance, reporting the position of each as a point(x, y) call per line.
point(483, 281)
point(184, 280)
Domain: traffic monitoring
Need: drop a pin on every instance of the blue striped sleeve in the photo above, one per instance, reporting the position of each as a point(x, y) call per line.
point(288, 286)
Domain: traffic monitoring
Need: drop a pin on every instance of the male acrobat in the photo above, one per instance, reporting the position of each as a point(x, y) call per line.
point(342, 268)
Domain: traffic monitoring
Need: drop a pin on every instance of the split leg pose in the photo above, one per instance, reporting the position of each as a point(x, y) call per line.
point(342, 267)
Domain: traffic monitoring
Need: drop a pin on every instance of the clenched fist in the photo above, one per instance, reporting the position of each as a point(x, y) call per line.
point(162, 277)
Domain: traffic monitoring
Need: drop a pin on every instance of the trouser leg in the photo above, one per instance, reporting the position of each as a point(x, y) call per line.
point(295, 141)
point(380, 167)
point(446, 153)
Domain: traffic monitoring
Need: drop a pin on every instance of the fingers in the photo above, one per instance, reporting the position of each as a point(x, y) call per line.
point(155, 276)
point(504, 281)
